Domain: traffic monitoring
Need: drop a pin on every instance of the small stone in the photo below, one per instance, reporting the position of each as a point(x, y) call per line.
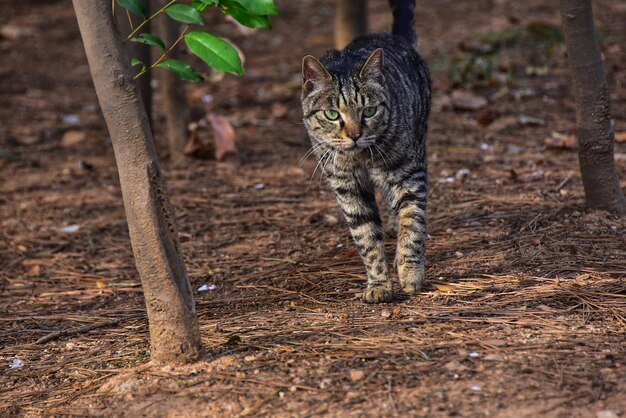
point(325, 383)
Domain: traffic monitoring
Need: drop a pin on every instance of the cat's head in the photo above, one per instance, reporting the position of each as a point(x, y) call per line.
point(346, 112)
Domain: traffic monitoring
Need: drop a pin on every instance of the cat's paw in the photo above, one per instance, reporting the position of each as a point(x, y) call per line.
point(378, 294)
point(411, 277)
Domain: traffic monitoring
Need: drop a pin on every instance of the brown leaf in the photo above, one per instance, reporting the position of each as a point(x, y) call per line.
point(503, 123)
point(466, 100)
point(487, 117)
point(444, 287)
point(356, 375)
point(620, 137)
point(196, 148)
point(279, 110)
point(563, 141)
point(73, 137)
point(224, 136)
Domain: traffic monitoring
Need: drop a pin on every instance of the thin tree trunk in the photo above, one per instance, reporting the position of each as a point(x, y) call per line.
point(174, 331)
point(175, 104)
point(595, 134)
point(141, 52)
point(350, 21)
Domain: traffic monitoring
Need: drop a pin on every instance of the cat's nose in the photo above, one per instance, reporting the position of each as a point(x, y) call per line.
point(353, 134)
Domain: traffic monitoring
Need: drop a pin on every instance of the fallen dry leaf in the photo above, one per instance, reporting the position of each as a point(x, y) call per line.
point(444, 287)
point(563, 141)
point(223, 134)
point(466, 100)
point(503, 123)
point(196, 148)
point(72, 137)
point(453, 287)
point(356, 375)
point(279, 110)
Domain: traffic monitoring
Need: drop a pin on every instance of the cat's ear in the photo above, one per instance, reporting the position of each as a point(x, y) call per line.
point(373, 67)
point(313, 73)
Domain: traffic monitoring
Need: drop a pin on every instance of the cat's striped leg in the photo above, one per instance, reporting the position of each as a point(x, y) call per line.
point(409, 203)
point(358, 203)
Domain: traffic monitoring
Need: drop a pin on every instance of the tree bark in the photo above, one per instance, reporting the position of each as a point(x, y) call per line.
point(350, 21)
point(595, 133)
point(174, 331)
point(142, 53)
point(175, 105)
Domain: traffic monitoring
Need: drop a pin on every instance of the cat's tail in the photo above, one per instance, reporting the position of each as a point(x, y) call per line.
point(404, 19)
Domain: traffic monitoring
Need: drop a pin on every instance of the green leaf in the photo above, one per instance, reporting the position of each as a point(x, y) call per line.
point(241, 15)
point(182, 70)
point(259, 7)
point(214, 51)
point(233, 340)
point(135, 62)
point(200, 5)
point(149, 39)
point(184, 13)
point(136, 7)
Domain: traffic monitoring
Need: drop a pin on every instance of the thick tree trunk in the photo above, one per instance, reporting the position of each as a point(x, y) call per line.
point(175, 104)
point(174, 332)
point(142, 53)
point(350, 21)
point(595, 134)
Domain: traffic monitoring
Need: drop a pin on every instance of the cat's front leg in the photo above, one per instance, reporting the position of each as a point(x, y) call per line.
point(409, 203)
point(356, 198)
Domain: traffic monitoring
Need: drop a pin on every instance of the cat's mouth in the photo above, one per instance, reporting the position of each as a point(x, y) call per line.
point(355, 146)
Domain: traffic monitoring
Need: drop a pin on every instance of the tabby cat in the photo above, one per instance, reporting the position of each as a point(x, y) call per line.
point(365, 109)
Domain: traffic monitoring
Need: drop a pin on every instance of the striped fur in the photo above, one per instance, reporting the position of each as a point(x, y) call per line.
point(359, 151)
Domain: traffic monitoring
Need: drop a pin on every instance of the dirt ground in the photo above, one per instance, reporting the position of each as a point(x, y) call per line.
point(524, 313)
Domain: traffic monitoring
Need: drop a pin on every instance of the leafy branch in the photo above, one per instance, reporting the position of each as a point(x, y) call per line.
point(213, 50)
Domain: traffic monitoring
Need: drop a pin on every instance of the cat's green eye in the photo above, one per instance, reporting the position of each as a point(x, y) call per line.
point(369, 111)
point(331, 114)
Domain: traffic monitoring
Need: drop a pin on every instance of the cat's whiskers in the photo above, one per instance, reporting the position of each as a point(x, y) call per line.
point(317, 165)
point(308, 153)
point(324, 167)
point(382, 153)
point(371, 153)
